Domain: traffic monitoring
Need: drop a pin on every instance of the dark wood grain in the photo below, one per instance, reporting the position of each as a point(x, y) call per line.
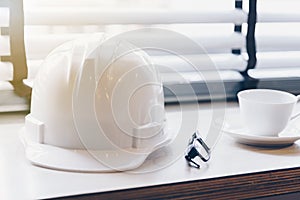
point(245, 186)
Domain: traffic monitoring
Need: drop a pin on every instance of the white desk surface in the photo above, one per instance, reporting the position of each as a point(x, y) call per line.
point(21, 180)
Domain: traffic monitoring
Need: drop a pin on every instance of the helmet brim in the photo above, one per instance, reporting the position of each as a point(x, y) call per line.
point(75, 160)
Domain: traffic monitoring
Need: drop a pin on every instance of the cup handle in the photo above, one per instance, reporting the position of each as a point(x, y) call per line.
point(298, 114)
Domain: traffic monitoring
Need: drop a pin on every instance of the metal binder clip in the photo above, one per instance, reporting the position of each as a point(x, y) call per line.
point(194, 149)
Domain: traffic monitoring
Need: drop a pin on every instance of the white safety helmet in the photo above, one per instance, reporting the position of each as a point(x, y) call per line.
point(97, 105)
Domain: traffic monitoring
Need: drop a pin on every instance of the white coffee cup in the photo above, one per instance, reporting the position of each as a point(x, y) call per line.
point(266, 112)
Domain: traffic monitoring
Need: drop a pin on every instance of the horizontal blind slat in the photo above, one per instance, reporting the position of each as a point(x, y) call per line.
point(187, 63)
point(278, 59)
point(205, 76)
point(166, 64)
point(66, 3)
point(278, 36)
point(5, 85)
point(278, 17)
point(6, 71)
point(39, 46)
point(278, 11)
point(203, 4)
point(9, 100)
point(274, 73)
point(4, 46)
point(278, 43)
point(4, 17)
point(94, 16)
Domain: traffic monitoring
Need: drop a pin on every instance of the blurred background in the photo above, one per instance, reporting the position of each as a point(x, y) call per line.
point(226, 29)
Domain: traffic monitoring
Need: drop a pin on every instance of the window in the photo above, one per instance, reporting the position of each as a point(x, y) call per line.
point(219, 26)
point(278, 45)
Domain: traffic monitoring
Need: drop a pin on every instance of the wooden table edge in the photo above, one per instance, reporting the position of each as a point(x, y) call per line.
point(244, 186)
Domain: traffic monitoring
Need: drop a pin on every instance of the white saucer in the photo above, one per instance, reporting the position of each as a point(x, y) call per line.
point(234, 128)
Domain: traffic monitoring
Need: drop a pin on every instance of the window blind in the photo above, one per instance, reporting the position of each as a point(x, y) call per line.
point(13, 94)
point(215, 25)
point(278, 45)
